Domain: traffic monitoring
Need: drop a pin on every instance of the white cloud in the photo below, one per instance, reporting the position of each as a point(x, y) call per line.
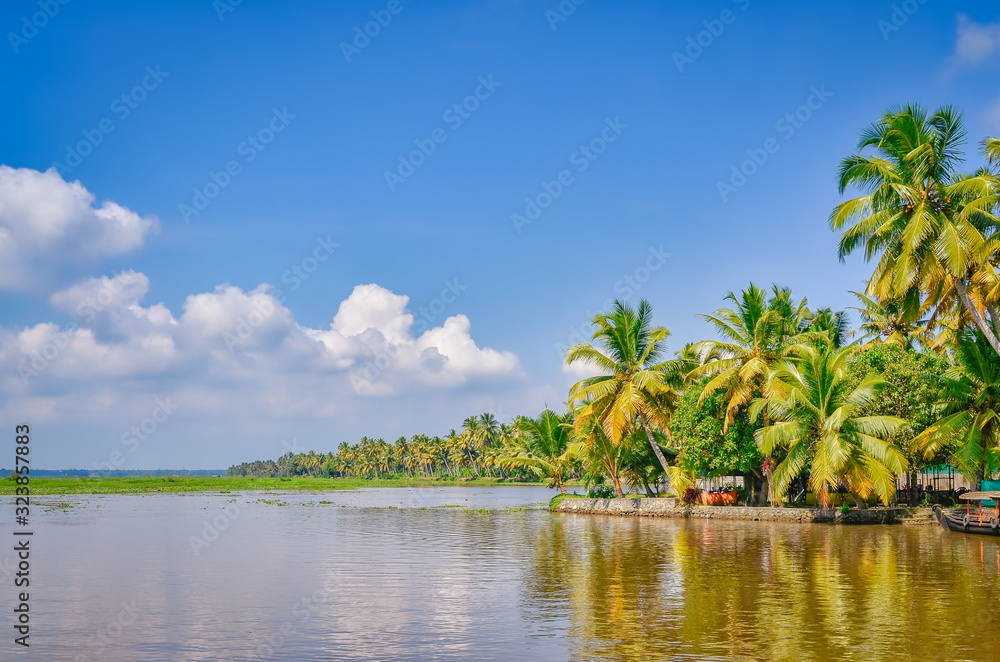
point(47, 224)
point(579, 370)
point(230, 334)
point(374, 307)
point(974, 43)
point(374, 330)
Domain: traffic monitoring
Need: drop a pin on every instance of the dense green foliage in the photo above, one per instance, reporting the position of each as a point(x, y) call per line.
point(968, 413)
point(707, 448)
point(912, 386)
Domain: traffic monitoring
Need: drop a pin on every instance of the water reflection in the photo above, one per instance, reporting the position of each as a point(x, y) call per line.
point(637, 589)
point(434, 581)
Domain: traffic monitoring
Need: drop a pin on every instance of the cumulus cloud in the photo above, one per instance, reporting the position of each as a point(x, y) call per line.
point(249, 336)
point(47, 224)
point(974, 43)
point(374, 330)
point(374, 307)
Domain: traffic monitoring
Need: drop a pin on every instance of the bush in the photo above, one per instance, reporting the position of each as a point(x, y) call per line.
point(602, 492)
point(691, 495)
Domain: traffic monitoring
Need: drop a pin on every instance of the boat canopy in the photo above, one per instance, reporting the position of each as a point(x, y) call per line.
point(979, 496)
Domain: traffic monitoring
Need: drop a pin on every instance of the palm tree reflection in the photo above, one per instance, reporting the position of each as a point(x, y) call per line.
point(638, 588)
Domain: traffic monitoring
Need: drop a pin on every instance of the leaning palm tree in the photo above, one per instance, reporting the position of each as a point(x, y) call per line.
point(818, 421)
point(969, 423)
point(540, 445)
point(636, 387)
point(926, 225)
point(639, 465)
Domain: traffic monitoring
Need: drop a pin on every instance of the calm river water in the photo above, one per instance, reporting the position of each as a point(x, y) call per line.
point(467, 573)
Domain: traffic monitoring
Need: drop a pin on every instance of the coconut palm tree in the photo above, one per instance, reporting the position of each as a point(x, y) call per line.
point(636, 387)
point(489, 429)
point(991, 150)
point(454, 451)
point(540, 445)
point(925, 224)
point(487, 434)
point(757, 333)
point(832, 326)
point(818, 421)
point(969, 423)
point(893, 321)
point(471, 435)
point(600, 454)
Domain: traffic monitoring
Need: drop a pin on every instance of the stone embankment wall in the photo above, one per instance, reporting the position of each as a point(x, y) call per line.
point(675, 508)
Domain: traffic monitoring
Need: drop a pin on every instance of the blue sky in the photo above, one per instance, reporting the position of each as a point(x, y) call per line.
point(309, 128)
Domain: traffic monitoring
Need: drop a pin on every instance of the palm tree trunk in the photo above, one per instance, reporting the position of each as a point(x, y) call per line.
point(981, 471)
point(762, 496)
point(656, 447)
point(769, 487)
point(977, 318)
point(993, 316)
point(472, 463)
point(767, 492)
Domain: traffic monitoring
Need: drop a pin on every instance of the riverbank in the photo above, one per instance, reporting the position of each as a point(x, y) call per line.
point(672, 507)
point(161, 484)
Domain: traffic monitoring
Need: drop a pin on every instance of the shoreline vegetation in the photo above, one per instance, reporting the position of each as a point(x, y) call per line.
point(787, 403)
point(47, 486)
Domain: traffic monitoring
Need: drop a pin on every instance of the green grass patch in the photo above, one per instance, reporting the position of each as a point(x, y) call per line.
point(557, 499)
point(158, 484)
